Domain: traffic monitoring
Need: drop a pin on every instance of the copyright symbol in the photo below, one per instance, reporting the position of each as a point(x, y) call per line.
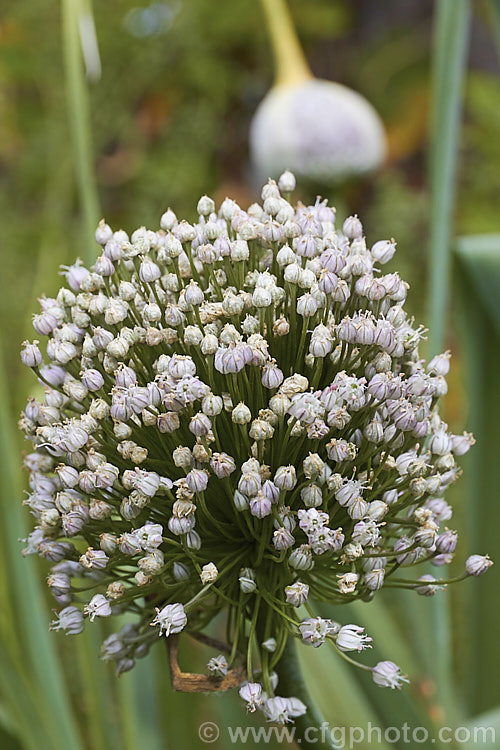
point(208, 732)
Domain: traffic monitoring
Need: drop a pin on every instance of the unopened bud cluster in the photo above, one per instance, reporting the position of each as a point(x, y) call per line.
point(236, 417)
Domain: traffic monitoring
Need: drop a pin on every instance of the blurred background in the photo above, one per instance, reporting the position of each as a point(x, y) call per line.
point(129, 107)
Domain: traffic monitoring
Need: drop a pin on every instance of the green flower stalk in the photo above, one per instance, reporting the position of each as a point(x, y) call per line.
point(237, 419)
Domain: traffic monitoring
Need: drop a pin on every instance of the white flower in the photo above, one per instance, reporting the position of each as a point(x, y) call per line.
point(388, 674)
point(297, 593)
point(209, 573)
point(315, 630)
point(282, 710)
point(171, 619)
point(347, 582)
point(98, 607)
point(217, 666)
point(352, 638)
point(251, 693)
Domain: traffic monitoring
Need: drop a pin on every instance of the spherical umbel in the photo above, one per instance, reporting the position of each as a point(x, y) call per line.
point(322, 131)
point(237, 423)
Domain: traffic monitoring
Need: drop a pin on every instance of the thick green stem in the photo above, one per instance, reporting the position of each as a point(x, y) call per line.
point(290, 61)
point(311, 729)
point(79, 118)
point(451, 34)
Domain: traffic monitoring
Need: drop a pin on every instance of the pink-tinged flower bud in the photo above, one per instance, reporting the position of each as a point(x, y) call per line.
point(297, 593)
point(261, 430)
point(69, 619)
point(200, 424)
point(45, 323)
point(312, 496)
point(168, 422)
point(383, 251)
point(197, 480)
point(352, 227)
point(307, 306)
point(476, 565)
point(286, 182)
point(385, 335)
point(421, 429)
point(59, 583)
point(328, 281)
point(440, 443)
point(168, 220)
point(447, 541)
point(346, 331)
point(273, 230)
point(241, 414)
point(104, 266)
point(443, 559)
point(103, 233)
point(152, 564)
point(405, 557)
point(301, 558)
point(53, 374)
point(181, 526)
point(75, 275)
point(31, 356)
point(460, 444)
point(94, 559)
point(113, 249)
point(440, 364)
point(374, 579)
point(305, 246)
point(68, 475)
point(428, 586)
point(173, 316)
point(341, 293)
point(283, 539)
point(205, 206)
point(340, 450)
point(193, 294)
point(129, 544)
point(388, 674)
point(285, 478)
point(260, 505)
point(92, 379)
point(222, 465)
point(272, 376)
